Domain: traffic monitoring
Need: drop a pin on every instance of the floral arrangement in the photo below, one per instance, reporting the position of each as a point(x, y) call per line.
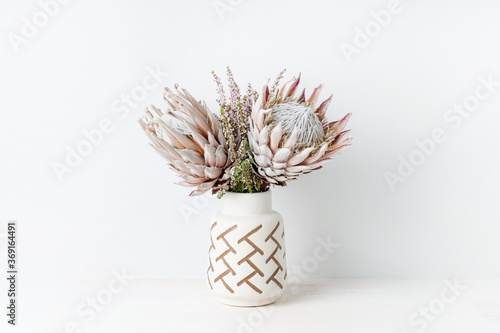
point(258, 140)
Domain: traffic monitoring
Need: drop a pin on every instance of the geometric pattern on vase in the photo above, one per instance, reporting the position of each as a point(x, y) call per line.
point(252, 258)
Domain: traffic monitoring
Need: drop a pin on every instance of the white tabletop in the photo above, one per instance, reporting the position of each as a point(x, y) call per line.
point(148, 306)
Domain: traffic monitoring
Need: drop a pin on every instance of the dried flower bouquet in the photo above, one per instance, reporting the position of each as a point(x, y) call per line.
point(258, 140)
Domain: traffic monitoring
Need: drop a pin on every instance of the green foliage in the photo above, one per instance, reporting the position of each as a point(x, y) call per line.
point(244, 178)
point(235, 119)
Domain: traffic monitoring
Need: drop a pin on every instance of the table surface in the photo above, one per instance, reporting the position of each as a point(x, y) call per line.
point(345, 305)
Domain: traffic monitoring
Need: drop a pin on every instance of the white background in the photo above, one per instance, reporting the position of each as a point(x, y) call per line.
point(119, 209)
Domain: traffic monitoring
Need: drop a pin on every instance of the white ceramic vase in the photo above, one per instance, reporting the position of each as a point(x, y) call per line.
point(247, 265)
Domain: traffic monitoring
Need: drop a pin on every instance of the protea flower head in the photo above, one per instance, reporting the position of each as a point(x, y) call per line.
point(290, 136)
point(190, 138)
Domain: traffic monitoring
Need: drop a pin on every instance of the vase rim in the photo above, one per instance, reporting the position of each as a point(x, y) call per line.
point(247, 203)
point(230, 192)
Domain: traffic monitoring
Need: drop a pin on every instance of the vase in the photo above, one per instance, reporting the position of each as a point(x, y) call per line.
point(247, 265)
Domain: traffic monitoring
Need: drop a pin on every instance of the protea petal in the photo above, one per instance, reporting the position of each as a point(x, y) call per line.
point(276, 135)
point(317, 155)
point(220, 157)
point(260, 120)
point(263, 160)
point(314, 96)
point(300, 156)
point(212, 172)
point(293, 87)
point(339, 137)
point(191, 156)
point(210, 158)
point(212, 140)
point(302, 97)
point(197, 170)
point(265, 150)
point(264, 136)
point(340, 125)
point(323, 107)
point(292, 139)
point(282, 155)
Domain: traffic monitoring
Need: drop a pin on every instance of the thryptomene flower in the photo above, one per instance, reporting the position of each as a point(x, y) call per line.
point(290, 136)
point(190, 138)
point(235, 118)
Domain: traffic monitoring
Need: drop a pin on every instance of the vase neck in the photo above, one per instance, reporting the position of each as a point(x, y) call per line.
point(247, 203)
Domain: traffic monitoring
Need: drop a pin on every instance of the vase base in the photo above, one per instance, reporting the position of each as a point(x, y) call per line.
point(247, 303)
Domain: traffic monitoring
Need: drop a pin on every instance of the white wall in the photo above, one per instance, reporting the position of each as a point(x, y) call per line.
point(118, 207)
